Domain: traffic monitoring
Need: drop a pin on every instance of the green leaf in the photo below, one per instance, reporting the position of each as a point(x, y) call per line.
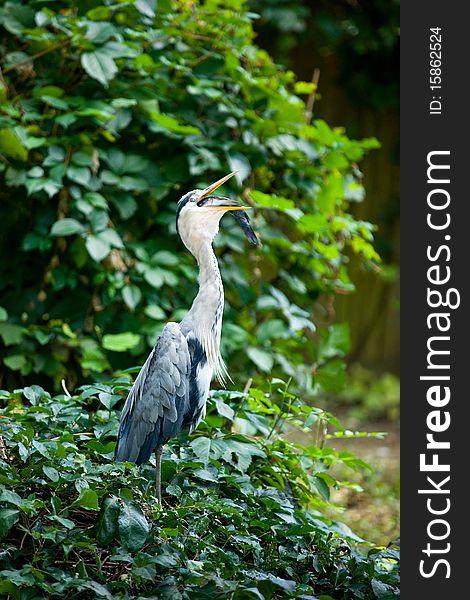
point(155, 312)
point(243, 451)
point(67, 523)
point(107, 526)
point(34, 393)
point(239, 163)
point(335, 341)
point(88, 499)
point(99, 65)
point(132, 296)
point(100, 13)
point(267, 201)
point(165, 258)
point(97, 248)
point(8, 517)
point(98, 588)
point(205, 475)
point(133, 526)
point(3, 314)
point(15, 362)
point(262, 359)
point(322, 487)
point(111, 236)
point(272, 329)
point(120, 342)
point(224, 409)
point(155, 277)
point(125, 204)
point(201, 447)
point(81, 175)
point(304, 87)
point(165, 122)
point(11, 497)
point(96, 200)
point(146, 7)
point(331, 376)
point(66, 227)
point(51, 473)
point(314, 223)
point(11, 145)
point(11, 334)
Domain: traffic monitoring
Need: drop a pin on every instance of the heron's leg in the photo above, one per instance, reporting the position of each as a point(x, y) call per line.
point(158, 474)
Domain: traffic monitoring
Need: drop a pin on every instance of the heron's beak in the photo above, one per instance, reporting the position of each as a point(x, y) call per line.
point(216, 185)
point(222, 204)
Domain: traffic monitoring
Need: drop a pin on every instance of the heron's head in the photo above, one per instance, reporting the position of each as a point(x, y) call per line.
point(199, 213)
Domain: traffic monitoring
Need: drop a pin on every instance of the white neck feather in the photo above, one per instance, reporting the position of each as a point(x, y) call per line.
point(207, 309)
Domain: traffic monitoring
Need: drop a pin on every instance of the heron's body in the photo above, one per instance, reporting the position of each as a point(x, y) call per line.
point(170, 392)
point(169, 395)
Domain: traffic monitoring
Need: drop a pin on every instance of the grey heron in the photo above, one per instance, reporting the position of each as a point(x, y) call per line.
point(170, 392)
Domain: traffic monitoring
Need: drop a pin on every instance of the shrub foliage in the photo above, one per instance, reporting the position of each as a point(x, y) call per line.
point(111, 111)
point(241, 514)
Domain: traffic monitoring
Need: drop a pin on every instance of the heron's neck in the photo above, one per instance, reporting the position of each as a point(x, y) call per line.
point(206, 311)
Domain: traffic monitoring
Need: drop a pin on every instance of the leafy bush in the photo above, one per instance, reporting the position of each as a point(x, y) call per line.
point(109, 113)
point(240, 517)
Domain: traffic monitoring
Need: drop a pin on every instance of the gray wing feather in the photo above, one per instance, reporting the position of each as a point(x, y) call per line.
point(158, 400)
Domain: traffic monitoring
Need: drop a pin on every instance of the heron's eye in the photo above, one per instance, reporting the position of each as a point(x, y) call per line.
point(202, 202)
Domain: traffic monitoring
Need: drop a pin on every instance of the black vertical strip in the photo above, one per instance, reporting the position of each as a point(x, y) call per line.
point(434, 555)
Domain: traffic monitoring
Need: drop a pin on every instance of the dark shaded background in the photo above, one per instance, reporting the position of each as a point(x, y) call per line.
point(353, 47)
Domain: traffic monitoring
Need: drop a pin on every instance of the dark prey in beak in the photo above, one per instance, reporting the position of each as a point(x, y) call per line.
point(237, 212)
point(244, 223)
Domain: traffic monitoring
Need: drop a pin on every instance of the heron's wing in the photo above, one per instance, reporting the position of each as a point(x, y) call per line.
point(158, 400)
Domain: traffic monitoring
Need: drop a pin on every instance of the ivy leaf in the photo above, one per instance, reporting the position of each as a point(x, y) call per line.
point(107, 527)
point(88, 499)
point(67, 523)
point(133, 526)
point(8, 517)
point(201, 447)
point(335, 341)
point(11, 497)
point(98, 588)
point(206, 475)
point(99, 65)
point(224, 409)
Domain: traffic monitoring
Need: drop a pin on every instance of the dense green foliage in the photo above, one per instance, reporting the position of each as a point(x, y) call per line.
point(233, 522)
point(110, 114)
point(110, 111)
